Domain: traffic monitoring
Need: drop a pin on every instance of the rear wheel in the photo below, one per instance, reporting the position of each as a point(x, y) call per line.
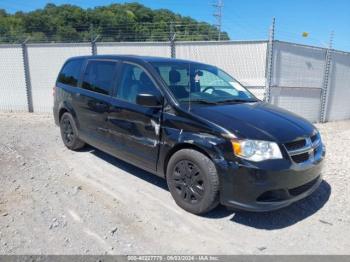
point(193, 181)
point(69, 132)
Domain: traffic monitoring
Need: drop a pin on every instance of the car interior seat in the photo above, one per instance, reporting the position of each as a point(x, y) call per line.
point(178, 90)
point(131, 86)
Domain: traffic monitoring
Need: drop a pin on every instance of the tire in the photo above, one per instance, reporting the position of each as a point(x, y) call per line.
point(193, 181)
point(69, 132)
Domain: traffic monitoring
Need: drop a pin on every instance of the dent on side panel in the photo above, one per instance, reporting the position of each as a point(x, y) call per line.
point(178, 130)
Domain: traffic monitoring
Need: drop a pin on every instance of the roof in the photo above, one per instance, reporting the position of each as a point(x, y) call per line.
point(150, 59)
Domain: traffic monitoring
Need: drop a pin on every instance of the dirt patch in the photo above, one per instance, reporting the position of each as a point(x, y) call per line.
point(55, 201)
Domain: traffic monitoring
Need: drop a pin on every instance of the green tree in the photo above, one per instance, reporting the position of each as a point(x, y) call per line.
point(115, 22)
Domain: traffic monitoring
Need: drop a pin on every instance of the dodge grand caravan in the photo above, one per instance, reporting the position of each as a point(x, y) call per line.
point(193, 124)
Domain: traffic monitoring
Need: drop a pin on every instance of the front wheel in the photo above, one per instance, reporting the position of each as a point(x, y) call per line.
point(193, 181)
point(69, 132)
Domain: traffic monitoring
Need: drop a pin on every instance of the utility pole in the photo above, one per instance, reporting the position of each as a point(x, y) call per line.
point(326, 80)
point(172, 35)
point(218, 16)
point(28, 82)
point(93, 40)
point(269, 64)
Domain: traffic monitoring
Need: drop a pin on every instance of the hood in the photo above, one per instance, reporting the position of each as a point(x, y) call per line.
point(256, 120)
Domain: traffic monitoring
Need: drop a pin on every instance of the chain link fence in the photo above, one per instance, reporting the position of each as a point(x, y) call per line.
point(12, 81)
point(45, 61)
point(297, 77)
point(339, 88)
point(245, 60)
point(161, 49)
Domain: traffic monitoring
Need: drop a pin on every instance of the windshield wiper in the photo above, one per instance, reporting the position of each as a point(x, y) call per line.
point(199, 101)
point(237, 100)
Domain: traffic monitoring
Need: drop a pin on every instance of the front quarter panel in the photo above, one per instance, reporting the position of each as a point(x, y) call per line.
point(182, 131)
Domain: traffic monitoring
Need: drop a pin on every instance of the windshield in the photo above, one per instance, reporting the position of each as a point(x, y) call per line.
point(198, 83)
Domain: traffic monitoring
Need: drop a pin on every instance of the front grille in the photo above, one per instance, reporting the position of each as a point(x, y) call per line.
point(302, 150)
point(301, 189)
point(285, 193)
point(295, 144)
point(301, 158)
point(273, 196)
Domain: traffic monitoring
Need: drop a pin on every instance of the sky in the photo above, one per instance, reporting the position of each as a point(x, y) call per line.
point(247, 19)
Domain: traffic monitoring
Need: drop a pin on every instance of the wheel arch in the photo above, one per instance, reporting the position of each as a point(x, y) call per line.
point(66, 108)
point(61, 112)
point(179, 147)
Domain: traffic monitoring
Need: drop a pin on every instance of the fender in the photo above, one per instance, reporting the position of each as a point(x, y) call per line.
point(181, 129)
point(175, 139)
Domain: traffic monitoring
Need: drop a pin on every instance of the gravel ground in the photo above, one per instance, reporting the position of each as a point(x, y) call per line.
point(55, 201)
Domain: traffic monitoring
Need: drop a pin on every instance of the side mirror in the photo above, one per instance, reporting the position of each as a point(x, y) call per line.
point(149, 100)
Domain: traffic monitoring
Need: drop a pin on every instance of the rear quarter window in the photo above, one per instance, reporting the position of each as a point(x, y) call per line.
point(99, 76)
point(70, 72)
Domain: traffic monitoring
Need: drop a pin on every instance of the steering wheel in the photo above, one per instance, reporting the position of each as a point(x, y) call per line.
point(208, 88)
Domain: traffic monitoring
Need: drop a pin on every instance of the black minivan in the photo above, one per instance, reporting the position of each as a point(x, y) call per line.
point(192, 124)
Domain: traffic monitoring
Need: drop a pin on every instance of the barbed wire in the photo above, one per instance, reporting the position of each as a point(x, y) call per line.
point(152, 31)
point(123, 32)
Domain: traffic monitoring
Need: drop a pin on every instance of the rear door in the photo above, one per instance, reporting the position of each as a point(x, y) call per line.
point(135, 129)
point(92, 102)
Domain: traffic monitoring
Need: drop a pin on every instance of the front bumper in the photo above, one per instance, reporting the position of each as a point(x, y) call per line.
point(268, 186)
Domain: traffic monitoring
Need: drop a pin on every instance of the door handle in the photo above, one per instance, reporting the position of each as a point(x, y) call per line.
point(101, 104)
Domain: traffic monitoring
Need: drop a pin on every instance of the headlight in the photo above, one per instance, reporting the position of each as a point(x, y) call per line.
point(256, 150)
